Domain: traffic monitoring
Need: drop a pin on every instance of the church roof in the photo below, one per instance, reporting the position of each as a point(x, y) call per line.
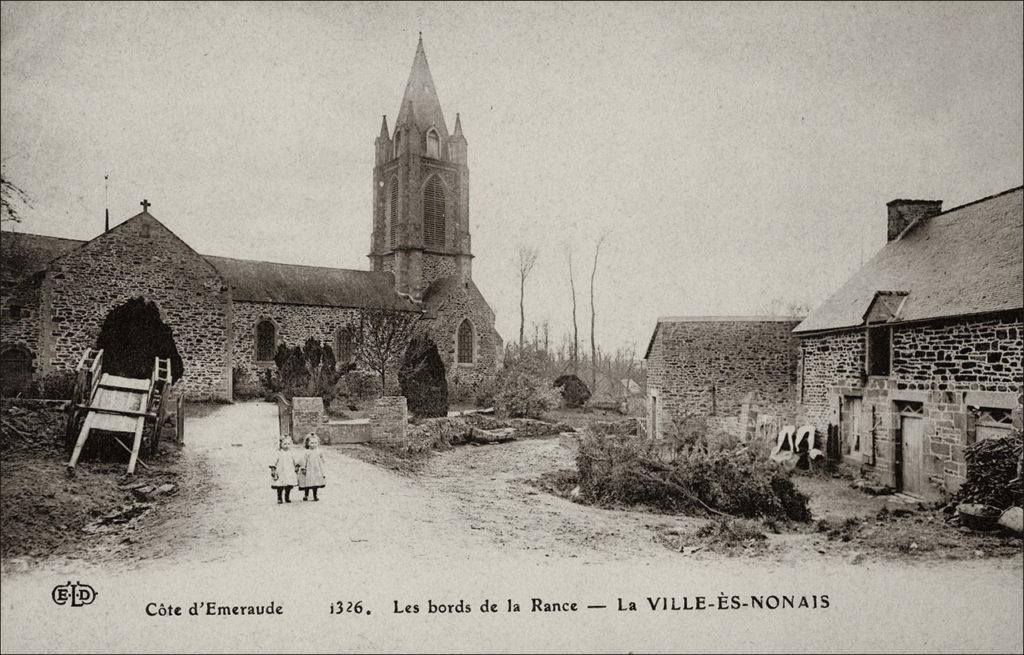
point(967, 260)
point(21, 255)
point(422, 96)
point(294, 284)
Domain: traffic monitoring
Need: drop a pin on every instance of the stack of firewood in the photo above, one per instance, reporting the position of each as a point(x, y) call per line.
point(993, 472)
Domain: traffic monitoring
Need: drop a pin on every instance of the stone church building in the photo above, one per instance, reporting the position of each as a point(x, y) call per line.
point(229, 315)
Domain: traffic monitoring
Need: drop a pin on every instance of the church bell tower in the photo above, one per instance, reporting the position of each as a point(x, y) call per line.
point(420, 191)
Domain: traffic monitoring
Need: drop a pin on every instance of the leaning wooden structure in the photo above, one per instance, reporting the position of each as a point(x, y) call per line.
point(116, 405)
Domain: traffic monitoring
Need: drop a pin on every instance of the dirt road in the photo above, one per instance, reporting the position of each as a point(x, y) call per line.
point(470, 530)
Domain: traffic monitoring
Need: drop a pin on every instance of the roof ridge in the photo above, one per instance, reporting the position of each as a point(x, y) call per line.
point(265, 261)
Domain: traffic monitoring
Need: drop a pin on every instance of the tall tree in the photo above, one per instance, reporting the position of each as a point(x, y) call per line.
point(575, 326)
point(593, 316)
point(527, 259)
point(383, 336)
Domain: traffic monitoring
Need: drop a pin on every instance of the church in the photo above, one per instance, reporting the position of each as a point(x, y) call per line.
point(228, 316)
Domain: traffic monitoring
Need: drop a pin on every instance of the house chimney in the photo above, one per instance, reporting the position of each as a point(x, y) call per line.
point(904, 212)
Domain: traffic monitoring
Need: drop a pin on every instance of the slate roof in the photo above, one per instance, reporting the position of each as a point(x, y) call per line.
point(293, 284)
point(967, 260)
point(715, 319)
point(420, 92)
point(250, 280)
point(23, 254)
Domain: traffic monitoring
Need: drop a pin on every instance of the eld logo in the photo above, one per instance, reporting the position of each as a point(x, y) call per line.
point(77, 594)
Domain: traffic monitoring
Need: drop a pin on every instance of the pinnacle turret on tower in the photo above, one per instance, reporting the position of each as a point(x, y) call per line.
point(421, 190)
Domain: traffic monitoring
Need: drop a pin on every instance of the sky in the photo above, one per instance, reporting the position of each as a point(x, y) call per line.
point(736, 157)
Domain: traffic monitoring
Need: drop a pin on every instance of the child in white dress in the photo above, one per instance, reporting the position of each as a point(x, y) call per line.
point(283, 472)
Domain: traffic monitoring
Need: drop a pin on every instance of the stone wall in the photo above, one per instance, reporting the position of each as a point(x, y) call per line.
point(294, 324)
point(436, 267)
point(140, 258)
point(827, 362)
point(950, 368)
point(706, 367)
point(983, 355)
point(22, 331)
point(388, 420)
point(970, 354)
point(461, 303)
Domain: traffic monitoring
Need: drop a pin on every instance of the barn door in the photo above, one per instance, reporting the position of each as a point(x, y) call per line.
point(912, 438)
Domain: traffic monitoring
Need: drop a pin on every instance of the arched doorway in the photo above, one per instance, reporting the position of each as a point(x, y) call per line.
point(16, 367)
point(132, 336)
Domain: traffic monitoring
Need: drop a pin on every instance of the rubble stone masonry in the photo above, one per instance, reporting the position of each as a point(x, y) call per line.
point(706, 367)
point(293, 325)
point(949, 369)
point(140, 258)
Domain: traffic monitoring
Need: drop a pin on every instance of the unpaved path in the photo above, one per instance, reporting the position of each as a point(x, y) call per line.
point(469, 529)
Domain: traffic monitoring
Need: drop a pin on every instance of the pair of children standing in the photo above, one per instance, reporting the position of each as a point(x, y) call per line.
point(306, 470)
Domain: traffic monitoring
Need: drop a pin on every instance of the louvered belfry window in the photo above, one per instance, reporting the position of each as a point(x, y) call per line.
point(433, 213)
point(466, 342)
point(393, 213)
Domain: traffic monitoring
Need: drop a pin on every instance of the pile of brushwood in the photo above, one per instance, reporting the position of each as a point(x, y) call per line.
point(994, 472)
point(712, 474)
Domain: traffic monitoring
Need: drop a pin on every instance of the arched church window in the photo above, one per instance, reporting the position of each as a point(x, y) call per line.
point(266, 341)
point(343, 346)
point(398, 143)
point(391, 225)
point(433, 144)
point(433, 212)
point(465, 342)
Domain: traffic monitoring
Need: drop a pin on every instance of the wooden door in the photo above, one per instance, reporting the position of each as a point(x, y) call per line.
point(912, 431)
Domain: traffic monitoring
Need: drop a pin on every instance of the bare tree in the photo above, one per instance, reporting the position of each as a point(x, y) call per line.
point(383, 336)
point(593, 316)
point(527, 259)
point(11, 195)
point(575, 326)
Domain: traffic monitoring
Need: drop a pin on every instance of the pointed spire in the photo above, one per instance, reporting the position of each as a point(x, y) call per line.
point(419, 103)
point(384, 133)
point(458, 125)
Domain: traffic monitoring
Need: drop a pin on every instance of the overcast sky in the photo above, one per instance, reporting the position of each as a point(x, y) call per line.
point(732, 153)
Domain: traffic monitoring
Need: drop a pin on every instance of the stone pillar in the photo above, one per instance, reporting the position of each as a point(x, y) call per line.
point(748, 418)
point(388, 420)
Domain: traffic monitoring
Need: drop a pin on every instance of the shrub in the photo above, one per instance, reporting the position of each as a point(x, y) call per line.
point(705, 475)
point(422, 379)
point(359, 387)
point(308, 370)
point(574, 391)
point(523, 390)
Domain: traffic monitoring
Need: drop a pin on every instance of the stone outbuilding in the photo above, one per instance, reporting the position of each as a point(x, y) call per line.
point(705, 366)
point(919, 354)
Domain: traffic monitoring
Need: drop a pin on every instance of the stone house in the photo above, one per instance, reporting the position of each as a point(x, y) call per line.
point(705, 366)
point(919, 354)
point(229, 315)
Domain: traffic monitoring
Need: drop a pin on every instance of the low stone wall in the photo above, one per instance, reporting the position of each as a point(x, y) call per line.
point(388, 420)
point(308, 415)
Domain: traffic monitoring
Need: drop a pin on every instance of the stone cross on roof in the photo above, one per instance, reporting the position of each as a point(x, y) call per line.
point(145, 205)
